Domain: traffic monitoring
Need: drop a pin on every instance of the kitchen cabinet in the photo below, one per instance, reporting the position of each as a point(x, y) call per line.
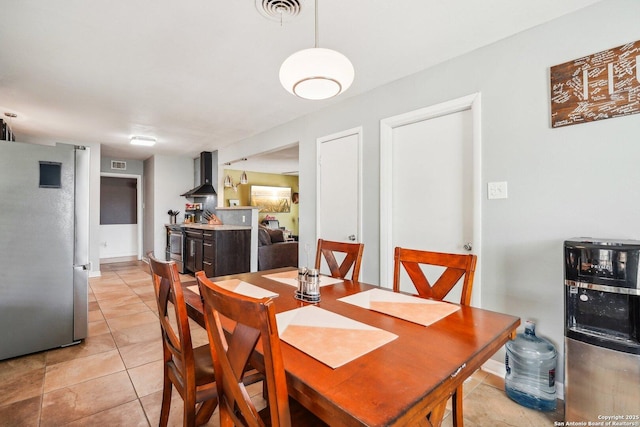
point(226, 252)
point(5, 131)
point(208, 253)
point(218, 250)
point(193, 249)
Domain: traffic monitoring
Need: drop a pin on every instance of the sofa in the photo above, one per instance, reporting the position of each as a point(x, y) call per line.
point(274, 251)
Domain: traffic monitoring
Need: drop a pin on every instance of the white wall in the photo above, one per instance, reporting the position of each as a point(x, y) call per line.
point(167, 178)
point(567, 182)
point(118, 240)
point(134, 167)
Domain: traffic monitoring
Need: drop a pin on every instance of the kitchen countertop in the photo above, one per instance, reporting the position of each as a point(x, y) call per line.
point(216, 227)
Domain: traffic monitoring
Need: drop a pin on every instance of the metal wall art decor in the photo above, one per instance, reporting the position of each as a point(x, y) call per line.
point(596, 87)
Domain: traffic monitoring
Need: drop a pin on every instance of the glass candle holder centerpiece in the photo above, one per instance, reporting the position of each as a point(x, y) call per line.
point(308, 285)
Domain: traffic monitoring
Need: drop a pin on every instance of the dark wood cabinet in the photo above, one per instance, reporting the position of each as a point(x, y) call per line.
point(226, 252)
point(5, 131)
point(218, 252)
point(194, 250)
point(208, 252)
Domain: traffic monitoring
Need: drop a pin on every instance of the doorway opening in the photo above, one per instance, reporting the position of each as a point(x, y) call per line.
point(120, 218)
point(276, 168)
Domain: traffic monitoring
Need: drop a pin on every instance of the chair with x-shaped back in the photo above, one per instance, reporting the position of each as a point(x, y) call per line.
point(236, 324)
point(456, 267)
point(353, 258)
point(188, 369)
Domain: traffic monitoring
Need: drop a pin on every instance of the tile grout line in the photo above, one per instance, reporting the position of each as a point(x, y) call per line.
point(138, 397)
point(75, 359)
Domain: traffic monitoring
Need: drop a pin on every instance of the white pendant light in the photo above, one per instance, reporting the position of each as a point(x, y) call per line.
point(316, 73)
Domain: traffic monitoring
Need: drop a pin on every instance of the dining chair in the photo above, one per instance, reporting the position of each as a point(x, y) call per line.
point(456, 267)
point(254, 321)
point(188, 369)
point(353, 258)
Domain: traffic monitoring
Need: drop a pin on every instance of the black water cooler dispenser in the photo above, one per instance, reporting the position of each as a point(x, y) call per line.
point(602, 331)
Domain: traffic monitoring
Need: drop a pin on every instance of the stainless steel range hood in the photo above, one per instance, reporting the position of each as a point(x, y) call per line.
point(205, 188)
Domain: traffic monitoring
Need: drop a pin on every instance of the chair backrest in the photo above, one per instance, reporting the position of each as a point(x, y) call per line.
point(176, 335)
point(255, 321)
point(456, 266)
point(353, 257)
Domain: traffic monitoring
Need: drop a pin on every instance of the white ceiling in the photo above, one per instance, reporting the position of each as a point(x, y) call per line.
point(201, 74)
point(281, 161)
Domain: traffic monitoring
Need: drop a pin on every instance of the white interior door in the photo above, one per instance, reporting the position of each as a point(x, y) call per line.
point(339, 187)
point(430, 183)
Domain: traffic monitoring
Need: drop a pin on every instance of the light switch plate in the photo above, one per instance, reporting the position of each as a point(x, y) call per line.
point(497, 190)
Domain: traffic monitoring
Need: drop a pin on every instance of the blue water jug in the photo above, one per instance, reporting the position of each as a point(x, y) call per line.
point(530, 363)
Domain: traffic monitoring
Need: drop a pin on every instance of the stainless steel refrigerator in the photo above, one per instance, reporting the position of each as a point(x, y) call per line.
point(44, 249)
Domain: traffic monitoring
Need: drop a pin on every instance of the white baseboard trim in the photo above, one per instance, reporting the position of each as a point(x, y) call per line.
point(118, 259)
point(494, 367)
point(497, 368)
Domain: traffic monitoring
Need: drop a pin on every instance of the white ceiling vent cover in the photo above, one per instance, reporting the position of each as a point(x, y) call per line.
point(119, 165)
point(279, 10)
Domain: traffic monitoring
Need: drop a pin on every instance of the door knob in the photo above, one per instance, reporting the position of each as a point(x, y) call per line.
point(468, 246)
point(352, 237)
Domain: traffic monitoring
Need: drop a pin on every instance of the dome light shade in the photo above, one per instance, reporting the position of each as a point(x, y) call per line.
point(316, 73)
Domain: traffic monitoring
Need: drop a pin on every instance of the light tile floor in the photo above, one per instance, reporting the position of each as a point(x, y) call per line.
point(114, 378)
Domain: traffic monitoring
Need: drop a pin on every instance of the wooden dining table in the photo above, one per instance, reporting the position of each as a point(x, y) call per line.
point(397, 384)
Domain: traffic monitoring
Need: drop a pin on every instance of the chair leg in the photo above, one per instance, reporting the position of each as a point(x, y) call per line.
point(166, 401)
point(189, 418)
point(203, 414)
point(225, 418)
point(456, 408)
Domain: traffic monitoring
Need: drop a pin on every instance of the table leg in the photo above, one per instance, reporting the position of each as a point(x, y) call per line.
point(437, 414)
point(456, 412)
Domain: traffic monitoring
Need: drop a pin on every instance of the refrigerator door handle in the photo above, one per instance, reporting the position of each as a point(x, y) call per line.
point(81, 261)
point(86, 266)
point(80, 302)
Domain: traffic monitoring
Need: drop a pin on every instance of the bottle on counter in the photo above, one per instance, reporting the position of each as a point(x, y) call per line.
point(530, 363)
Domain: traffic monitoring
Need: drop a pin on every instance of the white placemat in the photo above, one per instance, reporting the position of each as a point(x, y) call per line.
point(240, 287)
point(291, 278)
point(329, 337)
point(413, 309)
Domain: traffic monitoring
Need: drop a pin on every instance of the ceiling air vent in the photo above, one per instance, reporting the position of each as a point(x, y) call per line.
point(279, 10)
point(118, 165)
